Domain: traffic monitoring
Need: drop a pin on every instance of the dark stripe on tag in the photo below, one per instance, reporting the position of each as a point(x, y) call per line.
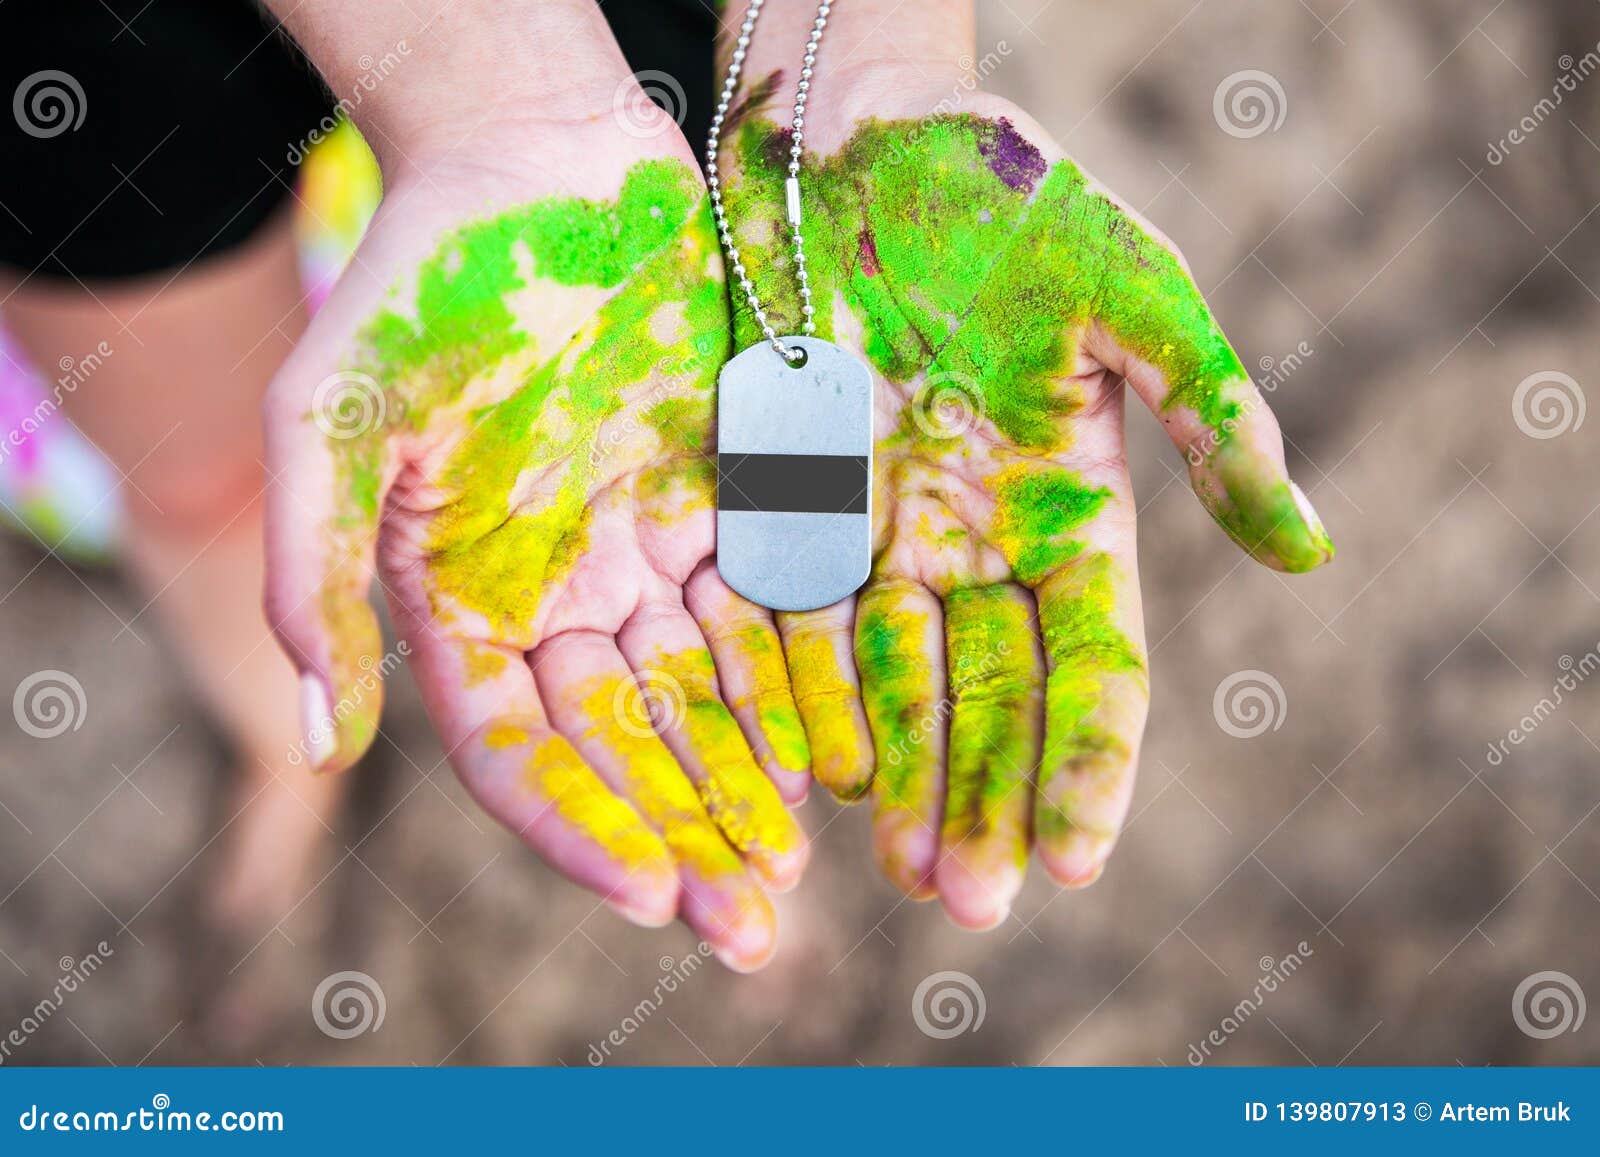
point(792, 483)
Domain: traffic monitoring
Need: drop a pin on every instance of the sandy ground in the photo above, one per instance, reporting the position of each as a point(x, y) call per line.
point(1369, 824)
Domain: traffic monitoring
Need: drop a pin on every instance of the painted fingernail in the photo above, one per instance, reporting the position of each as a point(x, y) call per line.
point(316, 719)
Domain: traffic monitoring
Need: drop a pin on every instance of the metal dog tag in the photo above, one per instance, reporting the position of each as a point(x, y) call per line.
point(794, 475)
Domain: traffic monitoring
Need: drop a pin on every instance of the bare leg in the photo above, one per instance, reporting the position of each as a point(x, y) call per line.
point(175, 408)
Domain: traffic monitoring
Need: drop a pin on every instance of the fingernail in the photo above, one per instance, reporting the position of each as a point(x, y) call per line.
point(749, 949)
point(651, 916)
point(1086, 878)
point(793, 786)
point(1299, 542)
point(316, 719)
point(1309, 513)
point(783, 871)
point(733, 961)
point(987, 922)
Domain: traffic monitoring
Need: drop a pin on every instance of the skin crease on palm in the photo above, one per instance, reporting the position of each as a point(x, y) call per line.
point(988, 687)
point(519, 422)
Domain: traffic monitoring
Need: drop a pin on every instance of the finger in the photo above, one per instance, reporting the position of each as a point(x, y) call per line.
point(595, 702)
point(996, 730)
point(1096, 697)
point(900, 651)
point(322, 510)
point(820, 649)
point(751, 672)
point(1153, 327)
point(484, 704)
point(674, 669)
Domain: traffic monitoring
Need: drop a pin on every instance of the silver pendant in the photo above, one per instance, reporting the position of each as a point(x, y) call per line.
point(794, 475)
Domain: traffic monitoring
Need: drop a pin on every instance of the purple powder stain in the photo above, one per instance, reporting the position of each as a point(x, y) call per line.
point(778, 145)
point(1010, 155)
point(868, 249)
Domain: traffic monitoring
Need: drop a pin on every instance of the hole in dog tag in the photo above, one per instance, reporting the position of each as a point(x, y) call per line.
point(794, 475)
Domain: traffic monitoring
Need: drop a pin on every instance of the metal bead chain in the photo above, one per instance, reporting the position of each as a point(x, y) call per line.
point(794, 355)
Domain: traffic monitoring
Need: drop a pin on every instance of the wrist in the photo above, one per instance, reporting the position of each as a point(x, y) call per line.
point(422, 87)
point(878, 58)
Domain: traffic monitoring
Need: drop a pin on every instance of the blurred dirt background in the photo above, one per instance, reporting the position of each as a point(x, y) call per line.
point(1425, 881)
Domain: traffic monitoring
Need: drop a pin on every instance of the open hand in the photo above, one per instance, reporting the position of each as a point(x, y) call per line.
point(989, 682)
point(506, 406)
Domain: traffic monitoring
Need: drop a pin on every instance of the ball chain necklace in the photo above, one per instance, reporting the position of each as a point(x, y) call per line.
point(794, 416)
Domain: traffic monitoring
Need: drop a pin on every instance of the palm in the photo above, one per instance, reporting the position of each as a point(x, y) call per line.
point(519, 417)
point(1001, 299)
point(561, 484)
point(945, 476)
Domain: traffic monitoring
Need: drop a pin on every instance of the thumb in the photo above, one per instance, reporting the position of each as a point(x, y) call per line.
point(1234, 450)
point(327, 470)
point(1153, 327)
